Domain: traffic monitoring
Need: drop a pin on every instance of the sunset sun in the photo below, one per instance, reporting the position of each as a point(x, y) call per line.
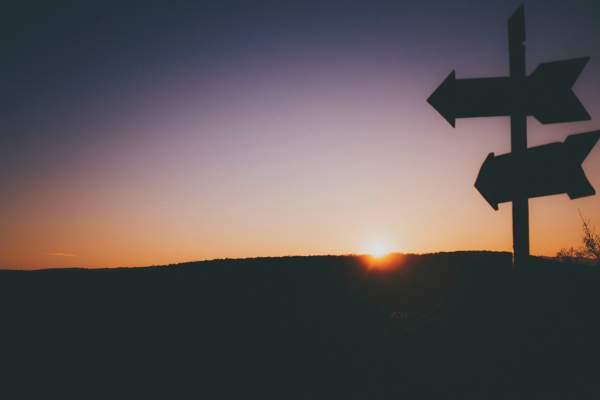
point(378, 250)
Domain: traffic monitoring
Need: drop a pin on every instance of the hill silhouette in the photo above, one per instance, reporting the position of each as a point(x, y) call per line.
point(448, 325)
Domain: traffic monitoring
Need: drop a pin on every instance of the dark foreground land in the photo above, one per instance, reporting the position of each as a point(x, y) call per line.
point(457, 325)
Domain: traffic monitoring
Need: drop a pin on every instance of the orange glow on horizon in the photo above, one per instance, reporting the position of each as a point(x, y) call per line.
point(387, 262)
point(378, 249)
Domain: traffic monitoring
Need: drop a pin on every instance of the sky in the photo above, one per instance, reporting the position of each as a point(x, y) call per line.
point(161, 132)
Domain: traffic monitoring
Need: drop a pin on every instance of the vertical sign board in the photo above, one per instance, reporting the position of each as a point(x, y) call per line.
point(546, 94)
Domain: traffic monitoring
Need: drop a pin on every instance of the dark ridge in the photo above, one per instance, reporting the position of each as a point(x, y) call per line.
point(253, 260)
point(447, 325)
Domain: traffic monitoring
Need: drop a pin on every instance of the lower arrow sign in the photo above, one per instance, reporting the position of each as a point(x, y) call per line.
point(540, 171)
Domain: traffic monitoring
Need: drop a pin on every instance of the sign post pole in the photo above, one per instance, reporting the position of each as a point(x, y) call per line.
point(518, 133)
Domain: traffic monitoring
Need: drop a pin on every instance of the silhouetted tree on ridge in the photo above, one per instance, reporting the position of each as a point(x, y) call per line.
point(589, 252)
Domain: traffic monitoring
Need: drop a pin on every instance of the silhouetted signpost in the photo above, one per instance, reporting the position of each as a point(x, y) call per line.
point(546, 95)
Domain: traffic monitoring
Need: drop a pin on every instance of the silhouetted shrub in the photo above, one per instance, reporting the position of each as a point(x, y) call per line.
point(589, 253)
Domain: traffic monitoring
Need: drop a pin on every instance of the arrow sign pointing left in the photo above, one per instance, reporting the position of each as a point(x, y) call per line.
point(540, 171)
point(545, 94)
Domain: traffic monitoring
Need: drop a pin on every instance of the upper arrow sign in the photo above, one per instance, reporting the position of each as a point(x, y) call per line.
point(540, 171)
point(546, 94)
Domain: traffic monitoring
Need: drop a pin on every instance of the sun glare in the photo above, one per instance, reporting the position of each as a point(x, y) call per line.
point(378, 250)
point(380, 256)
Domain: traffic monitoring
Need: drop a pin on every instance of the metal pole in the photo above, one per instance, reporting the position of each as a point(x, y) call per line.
point(518, 132)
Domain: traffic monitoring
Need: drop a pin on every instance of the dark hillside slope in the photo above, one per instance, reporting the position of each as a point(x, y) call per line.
point(451, 325)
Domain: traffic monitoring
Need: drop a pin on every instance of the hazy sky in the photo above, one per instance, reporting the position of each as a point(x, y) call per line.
point(164, 132)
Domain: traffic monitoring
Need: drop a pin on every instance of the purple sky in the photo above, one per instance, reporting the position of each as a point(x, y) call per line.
point(167, 132)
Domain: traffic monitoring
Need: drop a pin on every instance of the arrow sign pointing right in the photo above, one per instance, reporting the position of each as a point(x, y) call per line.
point(546, 94)
point(540, 171)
